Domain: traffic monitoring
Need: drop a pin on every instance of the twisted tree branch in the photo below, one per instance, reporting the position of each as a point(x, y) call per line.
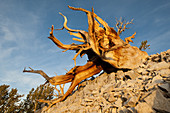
point(38, 72)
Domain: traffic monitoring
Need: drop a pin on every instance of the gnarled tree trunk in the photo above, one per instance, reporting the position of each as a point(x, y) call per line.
point(104, 48)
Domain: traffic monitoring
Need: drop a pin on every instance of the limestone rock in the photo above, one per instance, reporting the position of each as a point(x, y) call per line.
point(145, 89)
point(131, 101)
point(164, 73)
point(157, 101)
point(132, 74)
point(118, 102)
point(165, 86)
point(143, 107)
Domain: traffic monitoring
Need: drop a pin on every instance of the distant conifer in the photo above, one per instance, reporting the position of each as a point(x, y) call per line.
point(9, 99)
point(144, 45)
point(30, 104)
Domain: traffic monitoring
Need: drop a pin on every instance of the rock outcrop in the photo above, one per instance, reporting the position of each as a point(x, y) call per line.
point(145, 89)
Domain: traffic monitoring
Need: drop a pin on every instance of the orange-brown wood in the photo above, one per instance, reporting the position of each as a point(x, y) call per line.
point(104, 48)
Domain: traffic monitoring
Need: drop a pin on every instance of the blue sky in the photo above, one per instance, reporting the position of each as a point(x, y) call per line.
point(24, 30)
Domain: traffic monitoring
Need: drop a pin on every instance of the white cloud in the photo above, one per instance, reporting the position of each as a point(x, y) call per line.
point(23, 82)
point(21, 46)
point(21, 42)
point(160, 42)
point(160, 7)
point(17, 38)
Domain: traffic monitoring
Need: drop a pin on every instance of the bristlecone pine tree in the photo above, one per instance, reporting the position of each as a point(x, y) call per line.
point(9, 100)
point(30, 104)
point(105, 50)
point(144, 45)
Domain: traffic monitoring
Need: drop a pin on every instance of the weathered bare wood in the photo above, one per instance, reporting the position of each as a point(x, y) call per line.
point(129, 39)
point(97, 17)
point(121, 26)
point(104, 48)
point(38, 72)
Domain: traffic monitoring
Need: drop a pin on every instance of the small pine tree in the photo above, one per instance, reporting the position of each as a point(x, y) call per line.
point(9, 99)
point(30, 104)
point(144, 45)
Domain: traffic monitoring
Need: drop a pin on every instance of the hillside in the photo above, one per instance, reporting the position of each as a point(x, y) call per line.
point(145, 89)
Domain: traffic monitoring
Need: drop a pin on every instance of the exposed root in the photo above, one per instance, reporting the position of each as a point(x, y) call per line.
point(104, 48)
point(129, 39)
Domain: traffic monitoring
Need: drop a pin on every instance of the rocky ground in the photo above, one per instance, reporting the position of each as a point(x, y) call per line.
point(145, 89)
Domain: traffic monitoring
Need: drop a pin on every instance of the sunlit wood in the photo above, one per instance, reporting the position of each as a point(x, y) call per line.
point(104, 48)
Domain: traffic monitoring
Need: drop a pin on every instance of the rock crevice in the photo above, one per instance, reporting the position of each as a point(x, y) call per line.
point(145, 89)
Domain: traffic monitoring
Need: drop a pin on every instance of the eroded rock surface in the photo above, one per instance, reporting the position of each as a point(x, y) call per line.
point(143, 89)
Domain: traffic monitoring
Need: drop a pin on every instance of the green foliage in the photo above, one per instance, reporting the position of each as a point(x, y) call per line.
point(9, 100)
point(30, 104)
point(144, 45)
